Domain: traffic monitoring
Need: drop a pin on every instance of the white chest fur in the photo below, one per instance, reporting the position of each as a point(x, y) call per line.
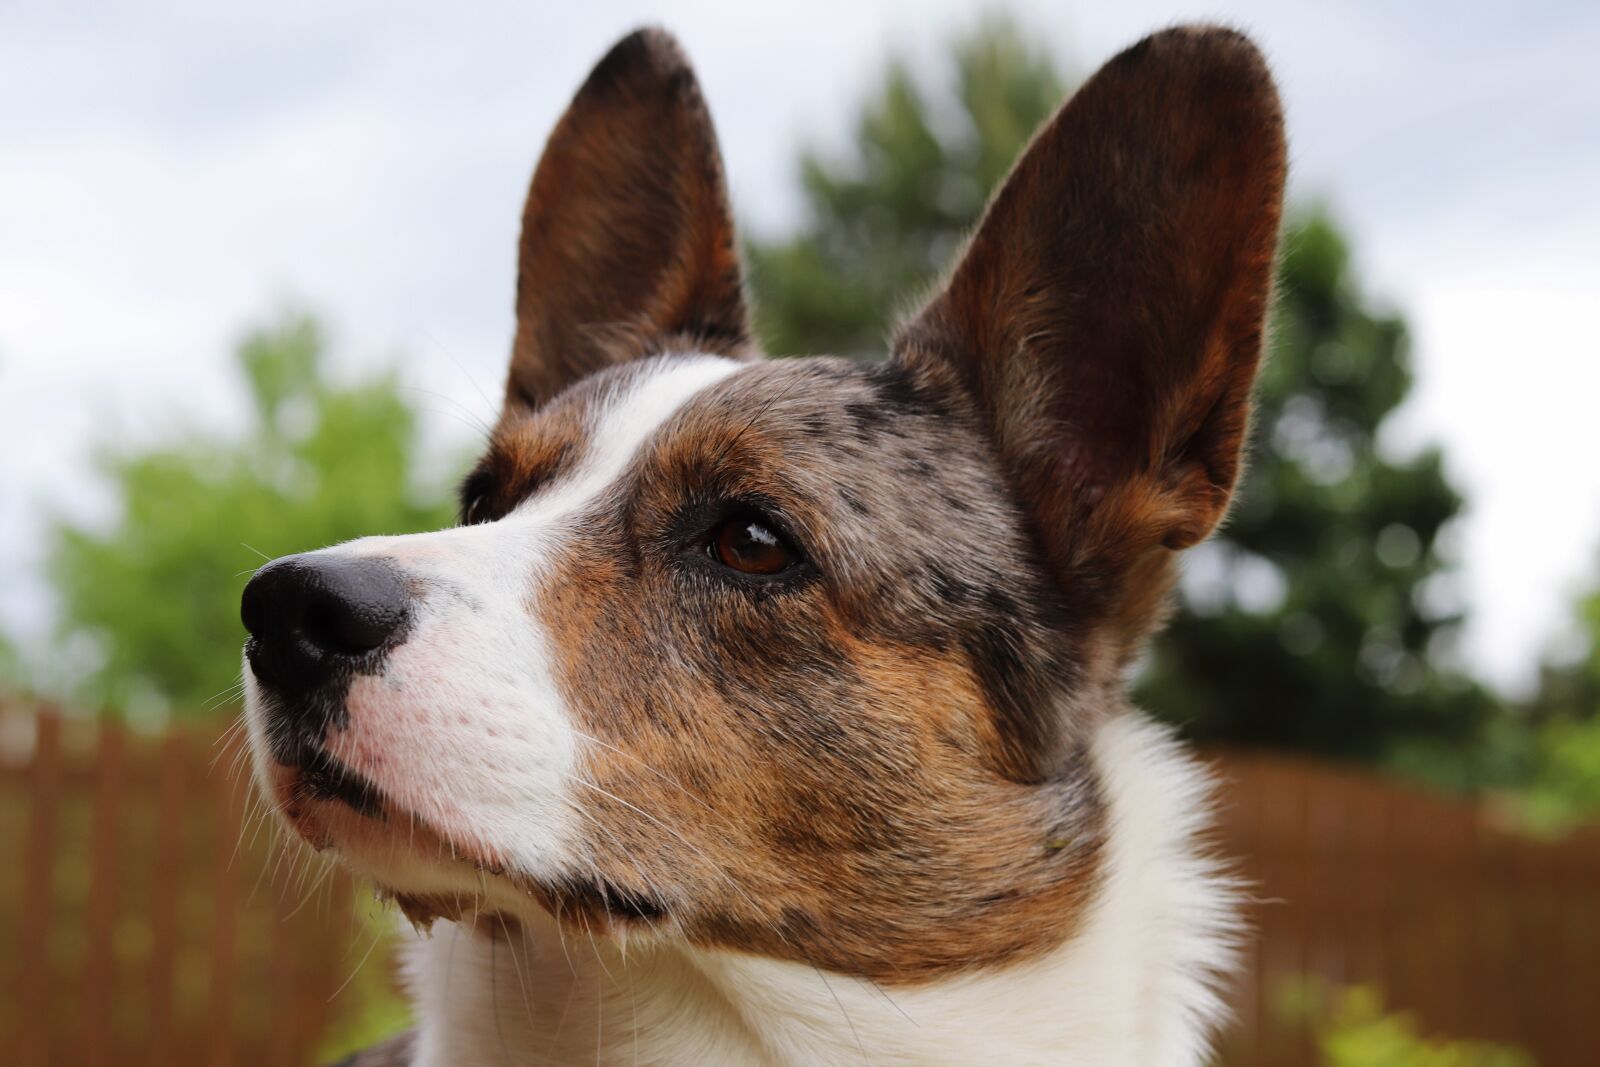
point(1136, 985)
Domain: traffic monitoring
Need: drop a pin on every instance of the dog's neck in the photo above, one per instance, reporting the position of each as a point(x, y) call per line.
point(1134, 985)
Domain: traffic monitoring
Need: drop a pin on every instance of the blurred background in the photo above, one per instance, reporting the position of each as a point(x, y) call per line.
point(256, 268)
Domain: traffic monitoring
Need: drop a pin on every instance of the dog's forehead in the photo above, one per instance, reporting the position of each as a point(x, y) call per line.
point(599, 426)
point(828, 415)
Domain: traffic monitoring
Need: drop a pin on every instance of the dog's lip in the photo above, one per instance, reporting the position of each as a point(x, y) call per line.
point(327, 778)
point(587, 905)
point(350, 813)
point(380, 831)
point(333, 808)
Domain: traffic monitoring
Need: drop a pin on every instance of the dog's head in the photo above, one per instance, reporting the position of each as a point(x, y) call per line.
point(799, 657)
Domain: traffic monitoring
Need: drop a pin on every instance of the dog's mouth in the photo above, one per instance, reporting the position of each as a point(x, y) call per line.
point(599, 899)
point(588, 905)
point(319, 795)
point(324, 777)
point(332, 806)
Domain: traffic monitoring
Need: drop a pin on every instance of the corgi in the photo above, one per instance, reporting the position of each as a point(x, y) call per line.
point(771, 711)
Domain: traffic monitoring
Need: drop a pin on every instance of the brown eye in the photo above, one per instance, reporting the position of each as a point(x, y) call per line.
point(748, 544)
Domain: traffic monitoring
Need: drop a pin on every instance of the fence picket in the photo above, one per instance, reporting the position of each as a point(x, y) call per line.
point(170, 810)
point(100, 970)
point(227, 796)
point(37, 967)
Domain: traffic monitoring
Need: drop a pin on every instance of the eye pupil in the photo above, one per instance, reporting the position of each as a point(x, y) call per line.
point(748, 545)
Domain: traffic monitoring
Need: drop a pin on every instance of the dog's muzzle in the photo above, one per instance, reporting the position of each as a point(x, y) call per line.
point(315, 622)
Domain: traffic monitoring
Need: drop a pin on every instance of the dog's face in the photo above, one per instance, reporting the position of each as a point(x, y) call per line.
point(797, 657)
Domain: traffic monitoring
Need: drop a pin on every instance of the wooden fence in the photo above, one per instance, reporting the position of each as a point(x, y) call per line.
point(144, 920)
point(1476, 931)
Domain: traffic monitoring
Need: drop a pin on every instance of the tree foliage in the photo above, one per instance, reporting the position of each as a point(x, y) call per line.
point(885, 218)
point(1562, 756)
point(154, 595)
point(1353, 1028)
point(1569, 681)
point(1321, 617)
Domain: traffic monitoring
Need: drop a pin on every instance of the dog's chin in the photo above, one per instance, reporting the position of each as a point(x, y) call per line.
point(354, 820)
point(430, 878)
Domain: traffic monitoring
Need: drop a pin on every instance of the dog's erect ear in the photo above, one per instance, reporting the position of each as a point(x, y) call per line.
point(627, 240)
point(1107, 316)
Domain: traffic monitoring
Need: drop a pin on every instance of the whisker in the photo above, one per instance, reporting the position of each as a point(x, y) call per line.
point(516, 968)
point(470, 423)
point(850, 1022)
point(377, 937)
point(699, 852)
point(679, 786)
point(800, 379)
point(494, 991)
point(223, 697)
point(322, 880)
point(464, 415)
point(599, 998)
point(770, 924)
point(625, 854)
point(572, 989)
point(462, 367)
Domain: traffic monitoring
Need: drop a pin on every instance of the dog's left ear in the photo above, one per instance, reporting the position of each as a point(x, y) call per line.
point(627, 241)
point(1107, 316)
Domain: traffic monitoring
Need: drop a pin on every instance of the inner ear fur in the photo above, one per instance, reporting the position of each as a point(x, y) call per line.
point(628, 244)
point(1107, 316)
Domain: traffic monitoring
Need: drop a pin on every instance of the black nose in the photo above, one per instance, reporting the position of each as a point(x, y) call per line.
point(314, 619)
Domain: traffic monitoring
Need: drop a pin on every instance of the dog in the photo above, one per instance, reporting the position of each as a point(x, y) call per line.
point(771, 712)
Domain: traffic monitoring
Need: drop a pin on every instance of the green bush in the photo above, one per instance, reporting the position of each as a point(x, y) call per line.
point(1354, 1029)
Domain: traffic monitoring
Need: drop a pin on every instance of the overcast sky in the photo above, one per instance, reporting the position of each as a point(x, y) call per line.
point(171, 171)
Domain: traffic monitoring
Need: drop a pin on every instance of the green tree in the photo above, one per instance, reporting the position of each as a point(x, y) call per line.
point(154, 595)
point(1569, 680)
point(1317, 619)
point(1561, 754)
point(885, 219)
point(1322, 616)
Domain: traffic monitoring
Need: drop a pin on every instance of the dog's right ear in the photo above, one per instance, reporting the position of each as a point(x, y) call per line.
point(1108, 315)
point(627, 241)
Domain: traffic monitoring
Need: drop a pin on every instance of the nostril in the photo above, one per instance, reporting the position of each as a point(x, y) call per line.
point(349, 626)
point(321, 627)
